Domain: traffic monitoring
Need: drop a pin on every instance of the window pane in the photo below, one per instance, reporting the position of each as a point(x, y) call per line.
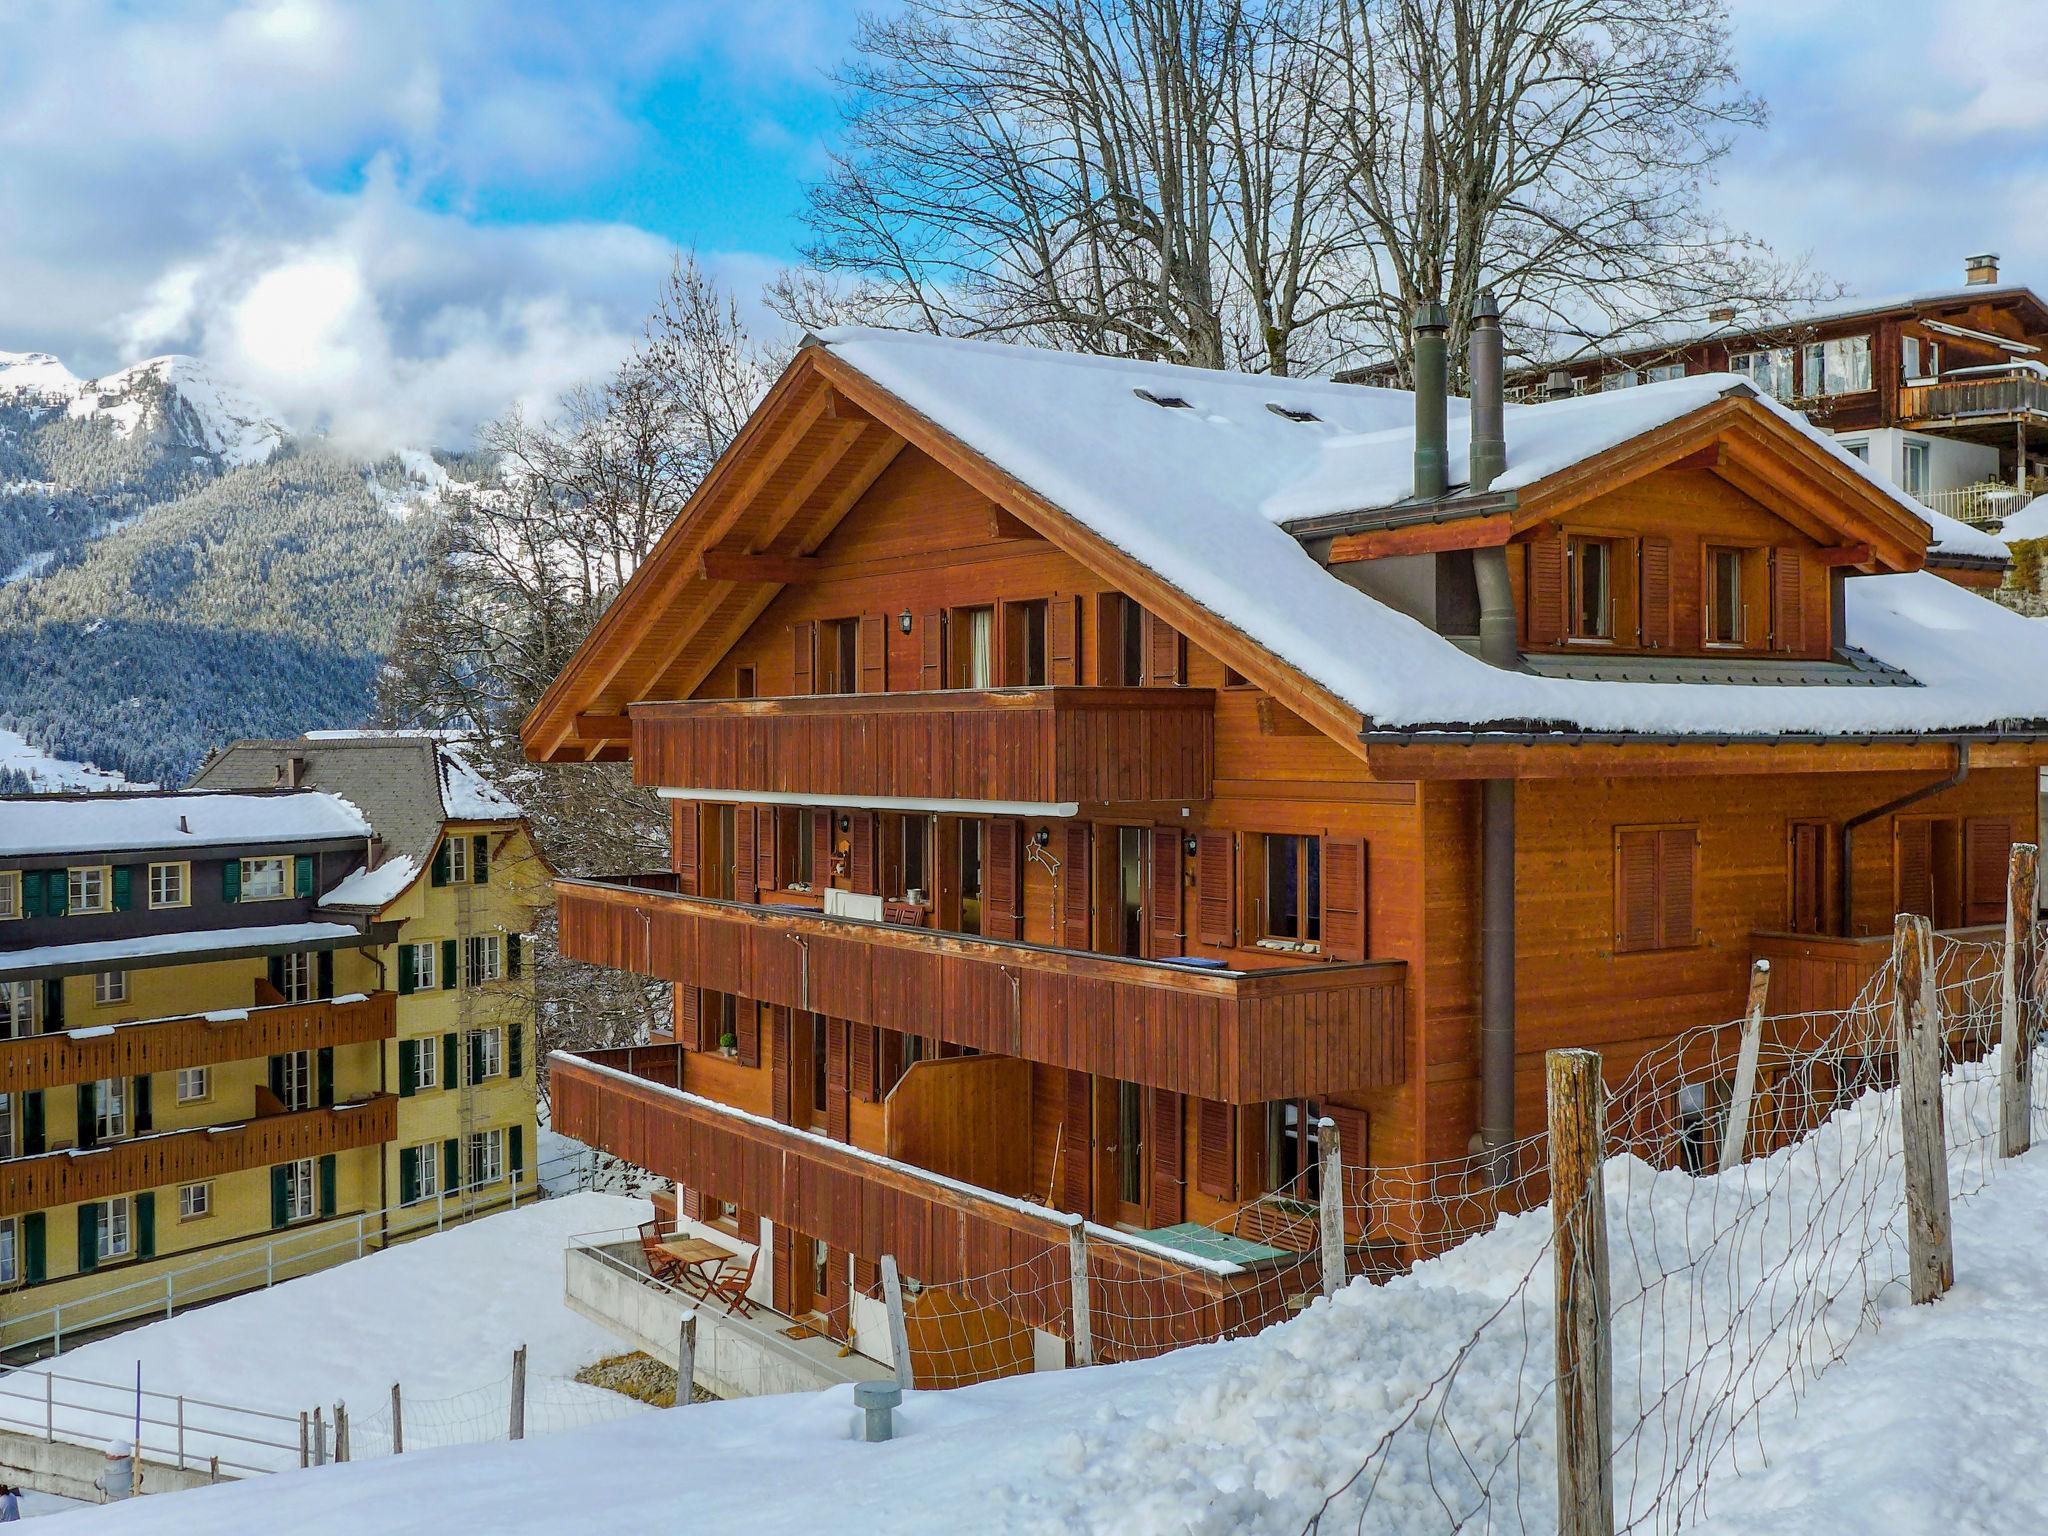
point(1283, 886)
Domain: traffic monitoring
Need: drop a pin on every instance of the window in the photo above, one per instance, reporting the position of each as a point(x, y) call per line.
point(109, 987)
point(88, 889)
point(7, 1118)
point(917, 832)
point(1130, 643)
point(486, 1157)
point(970, 876)
point(972, 653)
point(803, 848)
point(819, 1080)
point(1024, 644)
point(167, 885)
point(743, 684)
point(17, 1009)
point(426, 966)
point(1663, 371)
point(1917, 465)
point(114, 1239)
point(458, 859)
point(426, 1063)
point(483, 958)
point(301, 1201)
point(839, 656)
point(297, 977)
point(10, 893)
point(1727, 602)
point(1838, 367)
point(1592, 570)
point(1919, 359)
point(1770, 371)
point(1623, 378)
point(1654, 882)
point(426, 1160)
point(1131, 1159)
point(195, 1084)
point(295, 1079)
point(1291, 902)
point(194, 1201)
point(1130, 890)
point(263, 879)
point(486, 1053)
point(10, 1258)
point(1294, 1148)
point(110, 1108)
point(1856, 448)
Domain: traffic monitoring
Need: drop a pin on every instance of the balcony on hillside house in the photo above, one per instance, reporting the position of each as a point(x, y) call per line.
point(65, 1175)
point(1049, 749)
point(140, 1047)
point(1239, 1037)
point(1976, 398)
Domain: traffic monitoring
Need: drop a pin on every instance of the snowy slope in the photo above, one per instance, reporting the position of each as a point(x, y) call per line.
point(34, 376)
point(47, 773)
point(179, 398)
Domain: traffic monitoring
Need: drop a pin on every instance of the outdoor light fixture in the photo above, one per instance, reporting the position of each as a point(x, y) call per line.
point(1042, 837)
point(1188, 845)
point(846, 823)
point(903, 621)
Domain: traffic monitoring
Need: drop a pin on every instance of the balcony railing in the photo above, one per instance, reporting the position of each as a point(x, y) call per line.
point(1997, 398)
point(193, 1040)
point(1815, 977)
point(182, 1157)
point(1241, 1037)
point(1021, 746)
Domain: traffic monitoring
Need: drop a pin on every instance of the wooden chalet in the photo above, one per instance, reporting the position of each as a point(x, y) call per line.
point(1086, 774)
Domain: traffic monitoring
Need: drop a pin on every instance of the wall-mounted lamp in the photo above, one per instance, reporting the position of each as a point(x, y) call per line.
point(903, 621)
point(1188, 845)
point(846, 823)
point(1042, 837)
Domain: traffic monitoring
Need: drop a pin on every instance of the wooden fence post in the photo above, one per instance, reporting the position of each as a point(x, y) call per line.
point(397, 1423)
point(899, 1335)
point(519, 1393)
point(1585, 1370)
point(1077, 1276)
point(1916, 1018)
point(319, 1440)
point(686, 1358)
point(305, 1442)
point(341, 1432)
point(1735, 1139)
point(2019, 1000)
point(1331, 1219)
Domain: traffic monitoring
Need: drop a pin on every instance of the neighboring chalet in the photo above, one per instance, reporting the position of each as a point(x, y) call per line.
point(1087, 774)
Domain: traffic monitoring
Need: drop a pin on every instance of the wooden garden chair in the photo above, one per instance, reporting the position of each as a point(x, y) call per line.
point(731, 1288)
point(660, 1265)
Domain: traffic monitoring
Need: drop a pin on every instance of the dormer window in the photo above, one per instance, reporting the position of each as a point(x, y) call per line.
point(1169, 402)
point(1728, 596)
point(1595, 591)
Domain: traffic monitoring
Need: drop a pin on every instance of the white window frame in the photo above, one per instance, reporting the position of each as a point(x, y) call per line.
point(426, 966)
point(1768, 369)
point(116, 1228)
point(170, 885)
point(7, 1119)
point(492, 1051)
point(195, 1085)
point(458, 859)
point(1620, 378)
point(301, 977)
point(10, 894)
point(10, 1251)
point(1910, 455)
point(426, 1063)
point(110, 1108)
point(109, 988)
point(255, 890)
point(85, 889)
point(483, 958)
point(486, 1157)
point(1659, 373)
point(299, 1088)
point(302, 1191)
point(195, 1200)
point(427, 1163)
point(1839, 366)
point(17, 1009)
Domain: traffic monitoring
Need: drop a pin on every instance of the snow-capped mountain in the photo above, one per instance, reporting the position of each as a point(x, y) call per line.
point(175, 399)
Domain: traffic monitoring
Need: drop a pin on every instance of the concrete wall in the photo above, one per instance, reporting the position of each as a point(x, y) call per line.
point(57, 1466)
point(1951, 465)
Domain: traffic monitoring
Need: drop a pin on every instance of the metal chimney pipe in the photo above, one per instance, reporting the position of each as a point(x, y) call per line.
point(1489, 455)
point(1432, 452)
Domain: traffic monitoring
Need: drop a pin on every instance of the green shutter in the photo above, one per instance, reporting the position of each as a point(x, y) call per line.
point(451, 1163)
point(231, 881)
point(33, 1137)
point(439, 874)
point(407, 1050)
point(512, 956)
point(57, 892)
point(124, 887)
point(476, 1056)
point(280, 1192)
point(302, 876)
point(324, 1075)
point(450, 1063)
point(88, 1114)
point(480, 859)
point(88, 1237)
point(516, 1137)
point(323, 975)
point(145, 1225)
point(447, 965)
point(408, 1173)
point(32, 893)
point(408, 973)
point(35, 1249)
point(53, 1005)
point(327, 1185)
point(143, 1118)
point(515, 1049)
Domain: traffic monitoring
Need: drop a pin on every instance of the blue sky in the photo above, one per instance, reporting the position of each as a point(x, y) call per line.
point(398, 216)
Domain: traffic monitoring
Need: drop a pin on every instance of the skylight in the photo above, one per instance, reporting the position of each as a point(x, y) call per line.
point(1170, 402)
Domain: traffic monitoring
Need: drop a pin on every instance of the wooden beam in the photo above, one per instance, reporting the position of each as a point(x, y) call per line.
point(1004, 524)
point(1708, 457)
point(776, 570)
point(595, 727)
point(1844, 554)
point(1276, 719)
point(1490, 532)
point(1565, 759)
point(839, 408)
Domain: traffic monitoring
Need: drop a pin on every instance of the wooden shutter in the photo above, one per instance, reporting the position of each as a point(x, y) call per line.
point(749, 1225)
point(1635, 891)
point(746, 1028)
point(874, 653)
point(837, 1301)
point(1109, 645)
point(1655, 593)
point(780, 1270)
point(804, 657)
point(1165, 932)
point(1168, 1203)
point(1545, 600)
point(1002, 850)
point(689, 1019)
point(743, 869)
point(1216, 1149)
point(821, 847)
point(683, 845)
point(1788, 601)
point(1077, 890)
point(1354, 1160)
point(1216, 888)
point(1077, 1143)
point(860, 1062)
point(1987, 850)
point(690, 1202)
point(1344, 935)
point(931, 650)
point(783, 1069)
point(766, 822)
point(838, 1114)
point(1809, 861)
point(1913, 862)
point(1162, 652)
point(1676, 925)
point(860, 859)
point(1063, 641)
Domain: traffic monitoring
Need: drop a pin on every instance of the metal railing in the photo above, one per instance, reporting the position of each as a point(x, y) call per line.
point(169, 1428)
point(1977, 504)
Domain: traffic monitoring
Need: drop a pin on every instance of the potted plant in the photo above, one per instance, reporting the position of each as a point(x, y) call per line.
point(729, 1046)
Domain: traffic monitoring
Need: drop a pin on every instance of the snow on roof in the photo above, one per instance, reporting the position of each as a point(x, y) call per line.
point(1953, 536)
point(466, 794)
point(2030, 522)
point(113, 952)
point(375, 887)
point(1195, 494)
point(111, 822)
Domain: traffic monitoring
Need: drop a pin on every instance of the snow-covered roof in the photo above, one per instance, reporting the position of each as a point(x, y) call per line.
point(375, 887)
point(112, 822)
point(107, 954)
point(2030, 522)
point(1198, 495)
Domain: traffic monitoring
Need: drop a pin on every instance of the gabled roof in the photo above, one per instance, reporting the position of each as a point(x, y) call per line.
point(1181, 485)
point(116, 822)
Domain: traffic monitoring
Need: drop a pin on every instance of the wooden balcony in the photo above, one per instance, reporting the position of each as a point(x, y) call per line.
point(196, 1040)
point(181, 1157)
point(1989, 399)
point(1818, 977)
point(1241, 1037)
point(1018, 746)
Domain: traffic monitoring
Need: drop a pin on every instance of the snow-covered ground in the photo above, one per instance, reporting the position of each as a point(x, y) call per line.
point(57, 773)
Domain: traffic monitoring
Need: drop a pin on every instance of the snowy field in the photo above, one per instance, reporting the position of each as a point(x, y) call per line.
point(56, 773)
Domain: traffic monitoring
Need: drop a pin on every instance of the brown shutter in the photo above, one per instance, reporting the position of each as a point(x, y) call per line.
point(1635, 891)
point(821, 847)
point(1344, 935)
point(1000, 907)
point(867, 1277)
point(1216, 1149)
point(1077, 890)
point(860, 858)
point(1788, 601)
point(804, 657)
point(749, 1224)
point(690, 1202)
point(1063, 641)
point(1656, 593)
point(683, 844)
point(874, 653)
point(889, 850)
point(1077, 1143)
point(1166, 934)
point(931, 650)
point(888, 1061)
point(1109, 650)
point(837, 1304)
point(1808, 900)
point(1162, 652)
point(1354, 1160)
point(744, 872)
point(689, 1019)
point(860, 1062)
point(1545, 601)
point(1169, 1152)
point(767, 823)
point(780, 1271)
point(837, 1111)
point(1987, 850)
point(746, 1028)
point(782, 1069)
point(1216, 888)
point(1676, 925)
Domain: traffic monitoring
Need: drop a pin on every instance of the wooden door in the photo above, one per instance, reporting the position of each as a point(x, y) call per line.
point(1123, 1184)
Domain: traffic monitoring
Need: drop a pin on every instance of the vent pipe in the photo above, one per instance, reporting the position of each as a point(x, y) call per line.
point(1489, 455)
point(1432, 451)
